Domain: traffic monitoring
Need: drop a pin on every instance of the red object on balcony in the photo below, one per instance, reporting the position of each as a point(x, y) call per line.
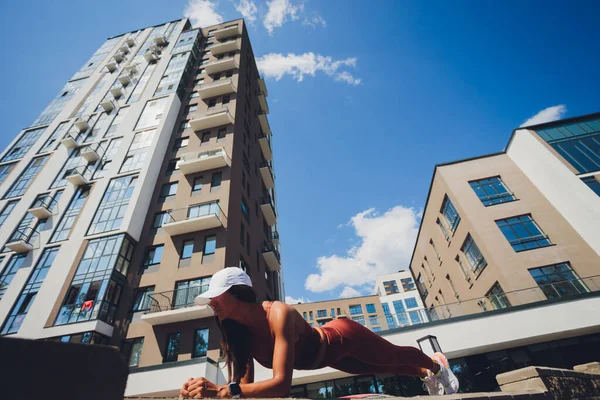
point(87, 305)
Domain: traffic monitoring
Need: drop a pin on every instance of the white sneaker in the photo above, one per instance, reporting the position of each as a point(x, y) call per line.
point(445, 374)
point(432, 384)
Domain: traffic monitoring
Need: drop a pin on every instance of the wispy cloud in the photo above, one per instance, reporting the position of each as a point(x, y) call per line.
point(279, 12)
point(294, 300)
point(276, 65)
point(314, 21)
point(349, 291)
point(202, 13)
point(248, 10)
point(546, 115)
point(385, 245)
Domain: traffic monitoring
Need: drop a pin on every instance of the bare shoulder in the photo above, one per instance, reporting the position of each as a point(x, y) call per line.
point(282, 309)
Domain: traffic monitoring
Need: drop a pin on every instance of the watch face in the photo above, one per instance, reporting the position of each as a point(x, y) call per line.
point(235, 389)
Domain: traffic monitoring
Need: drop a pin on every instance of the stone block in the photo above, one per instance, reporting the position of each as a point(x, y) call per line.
point(589, 368)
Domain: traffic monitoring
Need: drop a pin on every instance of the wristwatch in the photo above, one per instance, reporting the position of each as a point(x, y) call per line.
point(234, 390)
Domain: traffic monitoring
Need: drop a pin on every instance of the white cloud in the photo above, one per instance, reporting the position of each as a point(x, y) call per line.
point(349, 291)
point(202, 13)
point(546, 115)
point(248, 10)
point(314, 21)
point(276, 65)
point(293, 300)
point(278, 12)
point(386, 244)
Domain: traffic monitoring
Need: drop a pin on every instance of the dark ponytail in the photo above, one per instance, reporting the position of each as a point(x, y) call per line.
point(236, 338)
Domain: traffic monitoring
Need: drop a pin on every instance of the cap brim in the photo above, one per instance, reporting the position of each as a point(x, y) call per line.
point(204, 298)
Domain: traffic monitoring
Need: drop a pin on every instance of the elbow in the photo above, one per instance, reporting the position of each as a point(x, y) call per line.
point(281, 388)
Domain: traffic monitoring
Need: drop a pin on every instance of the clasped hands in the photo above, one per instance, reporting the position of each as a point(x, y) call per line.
point(199, 388)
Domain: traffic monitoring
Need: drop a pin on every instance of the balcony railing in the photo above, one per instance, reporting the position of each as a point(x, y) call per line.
point(262, 86)
point(224, 64)
point(204, 160)
point(275, 237)
point(81, 123)
point(86, 311)
point(272, 256)
point(151, 56)
point(43, 206)
point(217, 88)
point(265, 146)
point(194, 218)
point(268, 209)
point(230, 31)
point(70, 140)
point(176, 306)
point(92, 152)
point(226, 46)
point(80, 175)
point(211, 119)
point(264, 123)
point(264, 106)
point(267, 174)
point(21, 241)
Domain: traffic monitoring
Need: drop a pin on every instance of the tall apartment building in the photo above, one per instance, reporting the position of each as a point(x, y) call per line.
point(151, 170)
point(514, 227)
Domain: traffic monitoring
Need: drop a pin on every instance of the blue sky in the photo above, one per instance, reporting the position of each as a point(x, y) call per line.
point(397, 88)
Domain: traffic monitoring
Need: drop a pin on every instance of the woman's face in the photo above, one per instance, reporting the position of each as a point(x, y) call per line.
point(223, 305)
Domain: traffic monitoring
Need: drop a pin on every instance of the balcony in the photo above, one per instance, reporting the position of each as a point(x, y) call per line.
point(21, 240)
point(211, 119)
point(111, 66)
point(268, 210)
point(117, 90)
point(43, 206)
point(70, 140)
point(226, 47)
point(275, 237)
point(160, 40)
point(124, 49)
point(225, 64)
point(125, 78)
point(191, 163)
point(81, 123)
point(118, 57)
point(264, 123)
point(80, 175)
point(107, 105)
point(267, 174)
point(264, 106)
point(176, 306)
point(194, 218)
point(272, 257)
point(130, 42)
point(221, 34)
point(88, 310)
point(151, 56)
point(92, 152)
point(265, 146)
point(132, 68)
point(217, 88)
point(262, 86)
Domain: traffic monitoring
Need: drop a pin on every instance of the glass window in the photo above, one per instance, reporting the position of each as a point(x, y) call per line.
point(371, 308)
point(523, 233)
point(245, 210)
point(19, 187)
point(407, 284)
point(168, 190)
point(356, 309)
point(113, 206)
point(558, 280)
point(373, 320)
point(188, 249)
point(398, 306)
point(181, 143)
point(491, 191)
point(68, 219)
point(172, 349)
point(321, 313)
point(136, 155)
point(390, 287)
point(5, 170)
point(221, 134)
point(7, 210)
point(215, 181)
point(22, 146)
point(577, 142)
point(473, 255)
point(411, 302)
point(152, 113)
point(310, 315)
point(153, 255)
point(591, 182)
point(376, 329)
point(58, 134)
point(415, 317)
point(450, 214)
point(200, 343)
point(142, 300)
point(186, 291)
point(210, 245)
point(135, 351)
point(391, 321)
point(114, 125)
point(197, 186)
point(497, 297)
point(386, 308)
point(360, 319)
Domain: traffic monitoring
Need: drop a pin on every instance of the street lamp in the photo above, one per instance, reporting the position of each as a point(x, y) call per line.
point(429, 345)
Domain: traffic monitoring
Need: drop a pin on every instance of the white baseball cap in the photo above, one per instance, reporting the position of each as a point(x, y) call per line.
point(221, 282)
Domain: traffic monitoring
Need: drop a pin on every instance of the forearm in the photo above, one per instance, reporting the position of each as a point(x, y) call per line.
point(270, 388)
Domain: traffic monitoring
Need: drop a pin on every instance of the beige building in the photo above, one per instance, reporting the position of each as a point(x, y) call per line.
point(513, 227)
point(365, 310)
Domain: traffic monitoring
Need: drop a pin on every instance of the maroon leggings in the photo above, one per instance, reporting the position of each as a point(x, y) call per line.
point(355, 349)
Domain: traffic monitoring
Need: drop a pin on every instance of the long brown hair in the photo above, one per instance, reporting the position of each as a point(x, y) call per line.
point(236, 338)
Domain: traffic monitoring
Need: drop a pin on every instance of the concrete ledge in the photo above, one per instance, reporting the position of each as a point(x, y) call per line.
point(558, 383)
point(459, 396)
point(589, 368)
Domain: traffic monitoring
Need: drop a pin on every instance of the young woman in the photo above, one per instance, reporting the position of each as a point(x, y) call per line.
point(276, 335)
